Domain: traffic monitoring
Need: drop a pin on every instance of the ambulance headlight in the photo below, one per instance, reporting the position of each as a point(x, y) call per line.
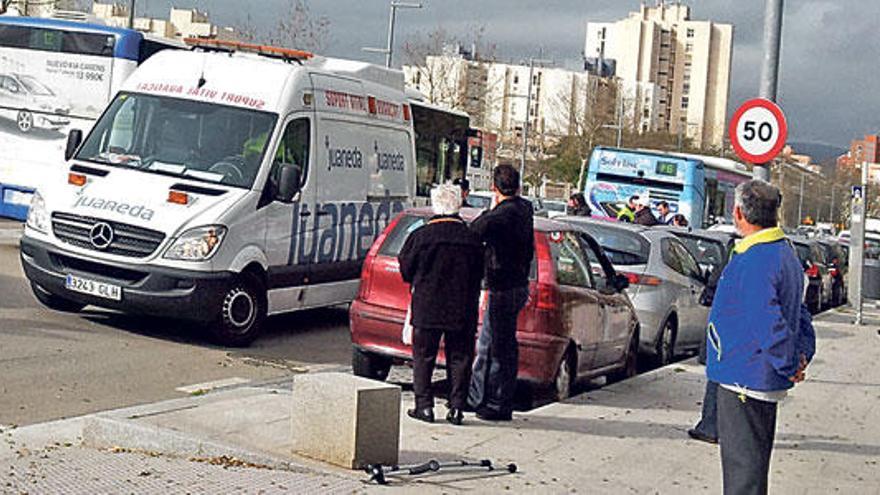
point(38, 216)
point(197, 244)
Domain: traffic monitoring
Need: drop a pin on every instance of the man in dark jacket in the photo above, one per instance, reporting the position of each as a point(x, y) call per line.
point(644, 215)
point(507, 231)
point(443, 261)
point(577, 205)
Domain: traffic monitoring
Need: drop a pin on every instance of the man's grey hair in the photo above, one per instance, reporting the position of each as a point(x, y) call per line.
point(446, 199)
point(759, 202)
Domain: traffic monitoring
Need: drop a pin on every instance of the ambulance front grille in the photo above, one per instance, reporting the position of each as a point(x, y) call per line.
point(128, 240)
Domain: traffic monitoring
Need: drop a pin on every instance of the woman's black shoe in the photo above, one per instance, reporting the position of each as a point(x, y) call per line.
point(426, 414)
point(455, 416)
point(698, 435)
point(487, 414)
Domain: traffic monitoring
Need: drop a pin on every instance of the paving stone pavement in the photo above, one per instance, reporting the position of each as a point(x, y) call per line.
point(80, 471)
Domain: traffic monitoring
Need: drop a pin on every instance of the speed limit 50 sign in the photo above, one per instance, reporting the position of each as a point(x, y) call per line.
point(758, 131)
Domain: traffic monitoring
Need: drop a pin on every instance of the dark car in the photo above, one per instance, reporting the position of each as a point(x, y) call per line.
point(578, 323)
point(711, 248)
point(812, 257)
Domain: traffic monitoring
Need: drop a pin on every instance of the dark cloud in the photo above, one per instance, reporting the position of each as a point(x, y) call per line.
point(826, 76)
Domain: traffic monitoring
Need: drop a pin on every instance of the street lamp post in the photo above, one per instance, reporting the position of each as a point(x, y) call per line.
point(131, 15)
point(770, 67)
point(389, 47)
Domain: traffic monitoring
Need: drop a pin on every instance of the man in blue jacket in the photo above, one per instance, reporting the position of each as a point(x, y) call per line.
point(760, 338)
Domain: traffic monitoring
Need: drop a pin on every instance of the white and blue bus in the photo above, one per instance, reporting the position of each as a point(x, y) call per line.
point(56, 75)
point(699, 187)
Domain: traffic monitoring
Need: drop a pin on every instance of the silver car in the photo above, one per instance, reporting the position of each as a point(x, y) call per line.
point(665, 284)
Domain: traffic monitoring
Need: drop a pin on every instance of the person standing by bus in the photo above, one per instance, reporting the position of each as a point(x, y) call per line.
point(627, 213)
point(644, 215)
point(665, 213)
point(508, 233)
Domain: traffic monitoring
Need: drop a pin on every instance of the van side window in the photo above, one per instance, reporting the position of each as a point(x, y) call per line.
point(293, 148)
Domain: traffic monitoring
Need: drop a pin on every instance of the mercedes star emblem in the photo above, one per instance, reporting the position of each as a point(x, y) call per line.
point(101, 235)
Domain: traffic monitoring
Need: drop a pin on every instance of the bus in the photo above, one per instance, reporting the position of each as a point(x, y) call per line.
point(56, 75)
point(699, 187)
point(442, 139)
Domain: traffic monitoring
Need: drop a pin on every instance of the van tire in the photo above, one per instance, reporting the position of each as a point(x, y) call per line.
point(54, 302)
point(563, 383)
point(25, 121)
point(242, 313)
point(370, 365)
point(630, 361)
point(665, 349)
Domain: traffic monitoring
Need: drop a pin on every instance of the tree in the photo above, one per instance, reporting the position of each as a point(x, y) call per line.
point(296, 28)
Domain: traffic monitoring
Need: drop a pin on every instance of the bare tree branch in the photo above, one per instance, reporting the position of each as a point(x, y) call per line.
point(297, 28)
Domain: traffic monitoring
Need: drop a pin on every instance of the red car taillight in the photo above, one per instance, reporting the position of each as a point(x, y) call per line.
point(812, 271)
point(547, 297)
point(636, 279)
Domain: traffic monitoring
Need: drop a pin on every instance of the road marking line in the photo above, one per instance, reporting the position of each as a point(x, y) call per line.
point(208, 386)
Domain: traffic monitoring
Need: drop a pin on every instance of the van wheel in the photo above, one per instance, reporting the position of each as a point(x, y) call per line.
point(242, 313)
point(565, 375)
point(54, 302)
point(369, 365)
point(631, 361)
point(25, 121)
point(665, 351)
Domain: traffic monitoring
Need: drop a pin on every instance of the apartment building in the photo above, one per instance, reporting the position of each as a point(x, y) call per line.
point(181, 23)
point(687, 61)
point(495, 95)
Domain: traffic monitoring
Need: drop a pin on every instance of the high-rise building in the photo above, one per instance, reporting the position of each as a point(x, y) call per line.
point(687, 60)
point(495, 96)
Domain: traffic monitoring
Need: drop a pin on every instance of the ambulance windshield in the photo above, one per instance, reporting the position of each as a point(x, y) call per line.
point(185, 138)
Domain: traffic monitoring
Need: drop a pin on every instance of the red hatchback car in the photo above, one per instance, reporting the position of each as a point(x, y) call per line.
point(578, 323)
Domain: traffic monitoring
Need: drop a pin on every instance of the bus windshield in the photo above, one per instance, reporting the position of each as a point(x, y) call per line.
point(441, 146)
point(171, 136)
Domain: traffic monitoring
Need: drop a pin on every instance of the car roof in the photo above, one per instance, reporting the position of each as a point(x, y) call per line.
point(632, 227)
point(712, 235)
point(470, 214)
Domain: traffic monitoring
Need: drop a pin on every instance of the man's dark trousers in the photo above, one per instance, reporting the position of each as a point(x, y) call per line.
point(746, 432)
point(708, 424)
point(494, 380)
point(459, 349)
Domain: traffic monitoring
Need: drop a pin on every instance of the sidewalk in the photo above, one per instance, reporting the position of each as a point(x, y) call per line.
point(624, 438)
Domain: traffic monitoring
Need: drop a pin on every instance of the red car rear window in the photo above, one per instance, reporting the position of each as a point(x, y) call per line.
point(395, 240)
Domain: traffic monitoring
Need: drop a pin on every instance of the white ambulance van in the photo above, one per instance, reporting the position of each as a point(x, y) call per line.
point(225, 184)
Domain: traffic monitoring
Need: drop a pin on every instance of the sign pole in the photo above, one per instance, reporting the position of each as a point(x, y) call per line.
point(857, 243)
point(770, 65)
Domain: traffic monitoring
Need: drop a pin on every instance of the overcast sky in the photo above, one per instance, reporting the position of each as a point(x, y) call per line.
point(828, 75)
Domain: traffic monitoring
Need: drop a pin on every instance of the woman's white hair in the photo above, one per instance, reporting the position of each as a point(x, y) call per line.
point(446, 199)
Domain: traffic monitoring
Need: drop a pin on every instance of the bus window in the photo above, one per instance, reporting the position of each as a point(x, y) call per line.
point(54, 40)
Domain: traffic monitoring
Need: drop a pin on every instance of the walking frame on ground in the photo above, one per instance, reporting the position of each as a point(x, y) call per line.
point(378, 472)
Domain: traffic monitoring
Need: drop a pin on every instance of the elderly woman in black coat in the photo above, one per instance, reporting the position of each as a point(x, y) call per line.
point(443, 260)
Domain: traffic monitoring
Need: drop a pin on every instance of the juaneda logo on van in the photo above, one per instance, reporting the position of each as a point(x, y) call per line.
point(137, 211)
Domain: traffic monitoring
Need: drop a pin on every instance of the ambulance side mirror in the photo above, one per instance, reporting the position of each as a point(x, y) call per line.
point(74, 139)
point(289, 176)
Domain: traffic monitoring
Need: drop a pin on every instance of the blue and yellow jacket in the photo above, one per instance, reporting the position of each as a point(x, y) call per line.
point(759, 327)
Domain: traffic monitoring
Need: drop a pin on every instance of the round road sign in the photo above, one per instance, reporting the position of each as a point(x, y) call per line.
point(758, 131)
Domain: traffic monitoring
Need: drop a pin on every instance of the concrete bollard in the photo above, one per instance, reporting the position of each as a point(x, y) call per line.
point(345, 420)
